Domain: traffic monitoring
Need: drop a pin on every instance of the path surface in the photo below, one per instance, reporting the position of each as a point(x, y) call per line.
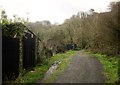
point(83, 69)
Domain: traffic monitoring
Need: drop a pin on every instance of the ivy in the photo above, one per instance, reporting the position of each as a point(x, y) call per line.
point(10, 28)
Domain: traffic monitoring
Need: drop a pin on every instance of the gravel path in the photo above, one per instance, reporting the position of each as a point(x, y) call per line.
point(83, 69)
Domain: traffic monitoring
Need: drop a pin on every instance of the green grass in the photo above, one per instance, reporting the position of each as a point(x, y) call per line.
point(110, 64)
point(65, 61)
point(31, 77)
point(39, 71)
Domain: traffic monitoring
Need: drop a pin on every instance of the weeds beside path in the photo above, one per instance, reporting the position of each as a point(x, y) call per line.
point(39, 71)
point(84, 68)
point(76, 67)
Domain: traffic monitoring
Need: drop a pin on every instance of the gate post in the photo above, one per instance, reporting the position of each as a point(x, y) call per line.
point(21, 57)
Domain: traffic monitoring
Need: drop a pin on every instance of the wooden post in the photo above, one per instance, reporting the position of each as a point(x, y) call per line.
point(21, 57)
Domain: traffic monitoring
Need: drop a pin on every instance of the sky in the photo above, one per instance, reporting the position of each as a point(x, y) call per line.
point(52, 10)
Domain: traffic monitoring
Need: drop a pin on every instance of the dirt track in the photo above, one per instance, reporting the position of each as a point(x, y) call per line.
point(84, 68)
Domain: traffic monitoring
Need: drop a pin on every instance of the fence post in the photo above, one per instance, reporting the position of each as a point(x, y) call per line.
point(21, 57)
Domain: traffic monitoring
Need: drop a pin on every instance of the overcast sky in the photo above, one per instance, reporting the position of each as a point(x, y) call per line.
point(52, 10)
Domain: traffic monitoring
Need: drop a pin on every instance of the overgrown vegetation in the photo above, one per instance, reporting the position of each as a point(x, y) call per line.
point(12, 28)
point(111, 66)
point(39, 71)
point(99, 32)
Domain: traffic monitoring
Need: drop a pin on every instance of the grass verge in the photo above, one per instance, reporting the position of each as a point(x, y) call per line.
point(66, 59)
point(110, 64)
point(39, 71)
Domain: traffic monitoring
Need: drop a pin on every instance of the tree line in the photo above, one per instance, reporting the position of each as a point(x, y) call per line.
point(99, 32)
